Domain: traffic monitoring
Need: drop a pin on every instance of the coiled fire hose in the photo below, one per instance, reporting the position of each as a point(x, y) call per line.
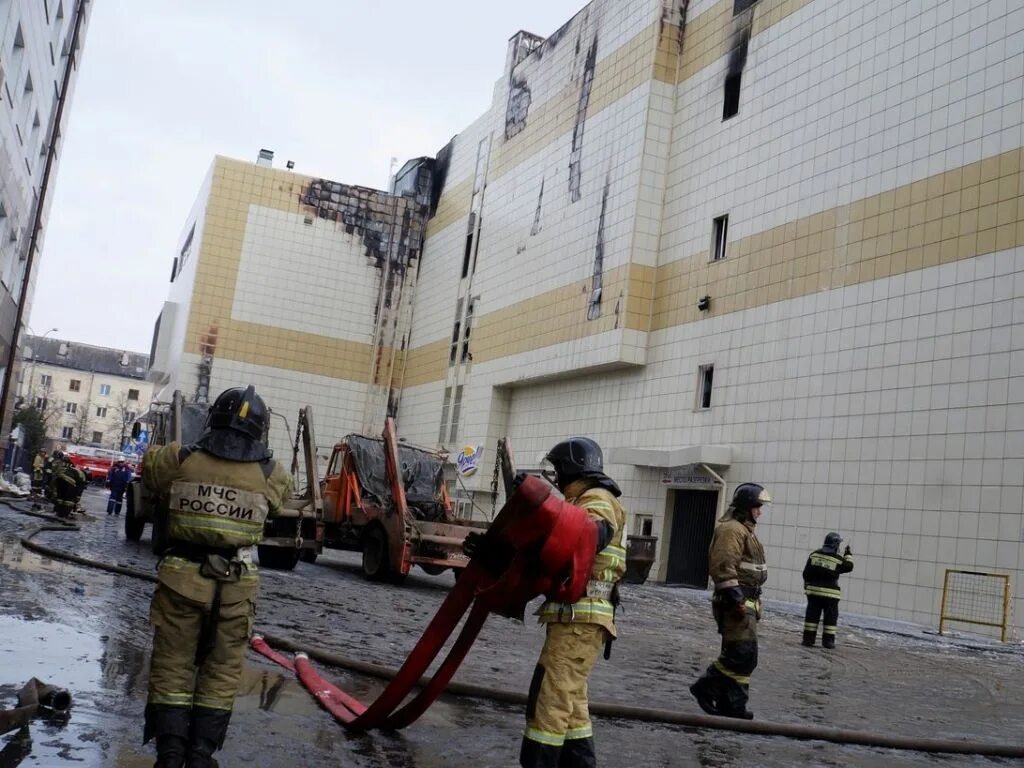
point(601, 709)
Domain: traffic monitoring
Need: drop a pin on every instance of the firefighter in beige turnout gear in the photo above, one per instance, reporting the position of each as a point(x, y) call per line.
point(558, 729)
point(738, 570)
point(219, 492)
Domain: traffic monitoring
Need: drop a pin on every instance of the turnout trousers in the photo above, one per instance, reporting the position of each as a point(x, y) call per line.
point(558, 729)
point(818, 606)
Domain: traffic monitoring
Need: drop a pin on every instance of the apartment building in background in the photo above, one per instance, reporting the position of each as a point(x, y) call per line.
point(36, 87)
point(778, 241)
point(87, 395)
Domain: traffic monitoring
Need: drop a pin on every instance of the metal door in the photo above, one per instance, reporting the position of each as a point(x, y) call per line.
point(693, 522)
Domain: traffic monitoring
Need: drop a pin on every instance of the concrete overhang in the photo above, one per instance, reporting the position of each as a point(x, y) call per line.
point(665, 458)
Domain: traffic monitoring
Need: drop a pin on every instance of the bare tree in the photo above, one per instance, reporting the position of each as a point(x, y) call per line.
point(50, 407)
point(83, 422)
point(126, 411)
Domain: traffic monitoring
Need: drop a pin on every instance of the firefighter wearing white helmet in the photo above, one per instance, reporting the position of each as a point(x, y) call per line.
point(737, 568)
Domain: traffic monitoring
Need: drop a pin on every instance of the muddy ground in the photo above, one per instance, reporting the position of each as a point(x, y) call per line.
point(88, 631)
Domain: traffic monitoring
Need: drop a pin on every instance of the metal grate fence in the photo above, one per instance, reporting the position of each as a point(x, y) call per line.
point(974, 597)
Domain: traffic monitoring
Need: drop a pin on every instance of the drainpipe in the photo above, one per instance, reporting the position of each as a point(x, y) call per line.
point(722, 496)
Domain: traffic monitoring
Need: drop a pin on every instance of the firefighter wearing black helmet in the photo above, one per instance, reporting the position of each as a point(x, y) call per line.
point(559, 733)
point(821, 586)
point(737, 568)
point(218, 494)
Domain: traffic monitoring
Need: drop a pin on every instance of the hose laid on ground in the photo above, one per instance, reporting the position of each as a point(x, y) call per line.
point(601, 709)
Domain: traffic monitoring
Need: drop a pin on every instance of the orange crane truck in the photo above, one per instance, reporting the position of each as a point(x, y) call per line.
point(389, 501)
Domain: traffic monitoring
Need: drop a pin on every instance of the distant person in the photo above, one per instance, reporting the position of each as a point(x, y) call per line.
point(39, 471)
point(67, 482)
point(821, 586)
point(118, 478)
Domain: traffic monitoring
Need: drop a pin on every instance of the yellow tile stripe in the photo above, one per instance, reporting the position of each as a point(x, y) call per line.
point(965, 212)
point(959, 214)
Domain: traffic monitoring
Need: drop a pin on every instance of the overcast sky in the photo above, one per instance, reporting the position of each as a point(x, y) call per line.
point(338, 86)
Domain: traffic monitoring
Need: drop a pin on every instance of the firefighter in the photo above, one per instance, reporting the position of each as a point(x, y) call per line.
point(38, 465)
point(737, 568)
point(821, 585)
point(67, 482)
point(558, 729)
point(218, 494)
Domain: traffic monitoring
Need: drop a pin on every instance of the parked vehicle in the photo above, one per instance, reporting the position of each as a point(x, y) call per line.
point(389, 501)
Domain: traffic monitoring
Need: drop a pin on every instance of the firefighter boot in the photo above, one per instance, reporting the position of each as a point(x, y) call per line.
point(169, 725)
point(578, 753)
point(209, 727)
point(703, 691)
point(828, 641)
point(533, 754)
point(809, 638)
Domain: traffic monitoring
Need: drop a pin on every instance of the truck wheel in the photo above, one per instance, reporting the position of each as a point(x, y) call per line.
point(375, 555)
point(433, 570)
point(278, 558)
point(133, 526)
point(308, 556)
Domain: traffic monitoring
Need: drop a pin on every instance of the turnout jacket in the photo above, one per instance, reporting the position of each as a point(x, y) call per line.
point(213, 503)
point(737, 558)
point(609, 566)
point(821, 574)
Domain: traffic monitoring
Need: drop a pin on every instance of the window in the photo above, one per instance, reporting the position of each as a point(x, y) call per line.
point(133, 394)
point(75, 385)
point(732, 95)
point(739, 6)
point(453, 352)
point(719, 237)
point(41, 403)
point(97, 437)
point(186, 251)
point(705, 380)
point(643, 525)
point(71, 407)
point(456, 408)
point(467, 327)
point(104, 389)
point(130, 416)
point(101, 412)
point(46, 380)
point(66, 432)
point(445, 407)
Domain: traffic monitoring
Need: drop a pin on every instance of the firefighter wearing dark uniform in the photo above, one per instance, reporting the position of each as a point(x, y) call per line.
point(558, 729)
point(219, 492)
point(67, 483)
point(737, 568)
point(821, 585)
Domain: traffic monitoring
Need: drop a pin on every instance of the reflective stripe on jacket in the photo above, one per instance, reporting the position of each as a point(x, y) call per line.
point(821, 574)
point(211, 501)
point(609, 565)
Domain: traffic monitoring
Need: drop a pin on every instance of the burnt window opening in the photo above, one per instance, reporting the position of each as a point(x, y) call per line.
point(739, 6)
point(453, 351)
point(732, 95)
point(467, 328)
point(705, 381)
point(75, 385)
point(466, 256)
point(719, 237)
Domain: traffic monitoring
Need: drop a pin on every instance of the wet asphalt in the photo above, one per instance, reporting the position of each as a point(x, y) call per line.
point(88, 631)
